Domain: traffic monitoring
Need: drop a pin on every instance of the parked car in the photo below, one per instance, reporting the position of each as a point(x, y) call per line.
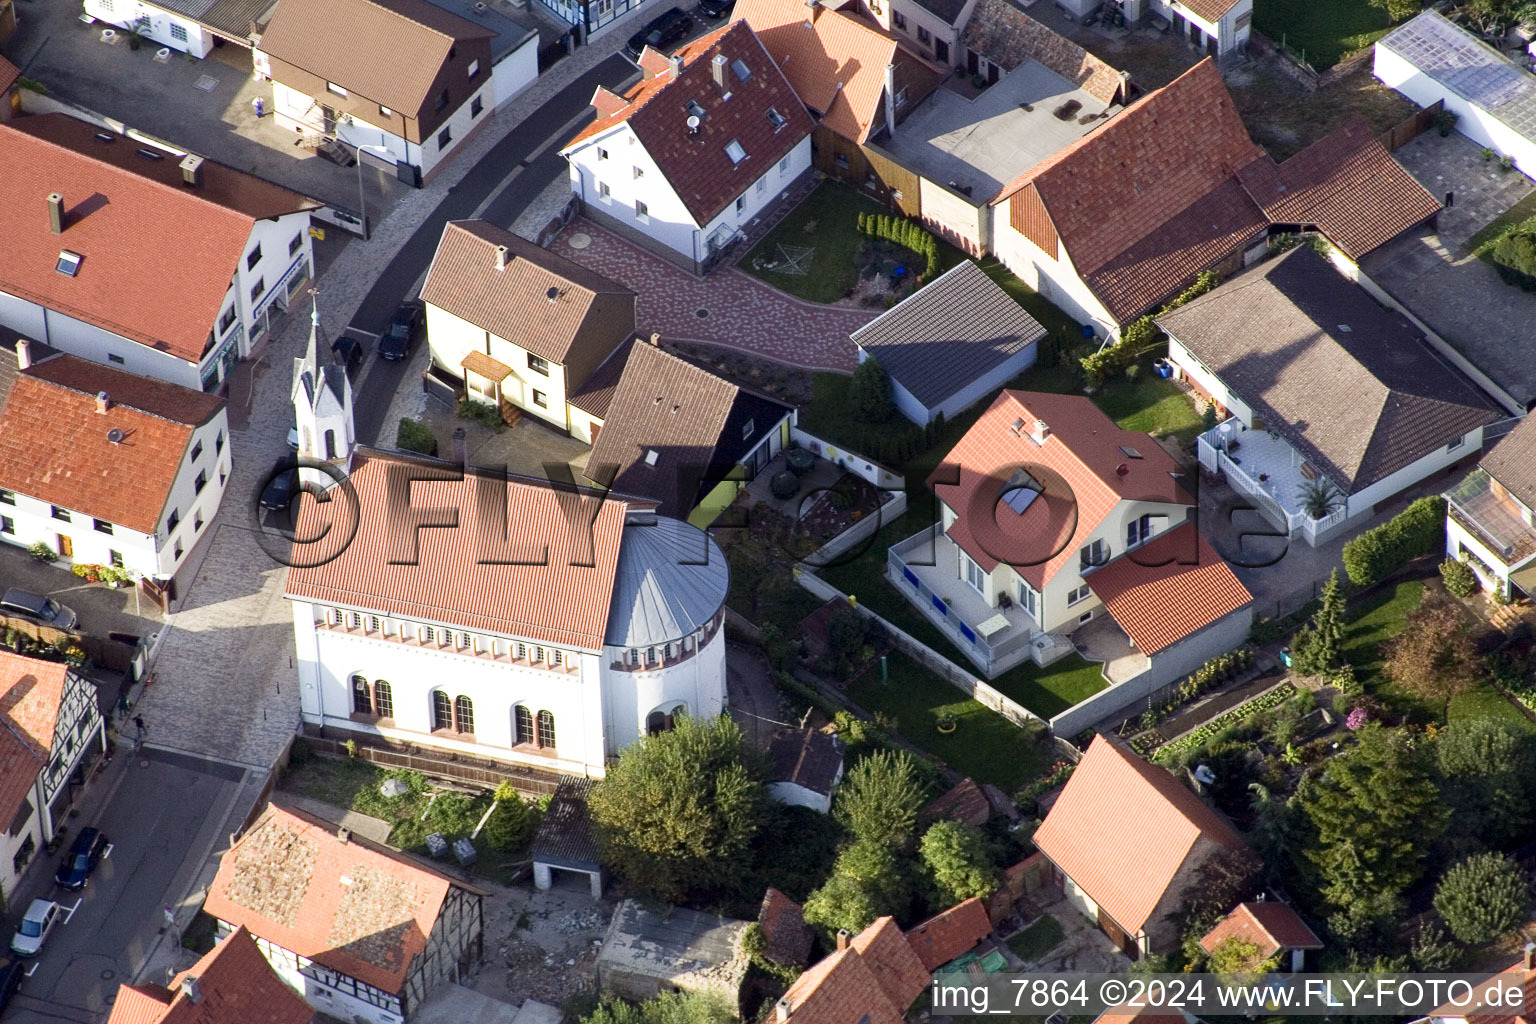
point(716, 9)
point(36, 924)
point(668, 27)
point(83, 857)
point(281, 484)
point(347, 353)
point(38, 608)
point(11, 973)
point(293, 438)
point(403, 328)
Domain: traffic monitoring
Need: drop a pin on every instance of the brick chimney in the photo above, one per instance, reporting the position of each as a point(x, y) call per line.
point(1039, 431)
point(23, 353)
point(717, 70)
point(842, 938)
point(675, 62)
point(56, 212)
point(103, 402)
point(192, 990)
point(343, 835)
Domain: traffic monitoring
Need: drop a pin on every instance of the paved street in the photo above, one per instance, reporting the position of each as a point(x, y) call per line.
point(727, 308)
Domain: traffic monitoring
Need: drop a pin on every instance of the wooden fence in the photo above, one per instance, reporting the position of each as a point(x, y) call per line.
point(1411, 127)
point(529, 782)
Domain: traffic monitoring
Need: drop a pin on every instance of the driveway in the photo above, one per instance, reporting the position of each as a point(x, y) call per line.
point(102, 610)
point(751, 695)
point(727, 308)
point(1431, 272)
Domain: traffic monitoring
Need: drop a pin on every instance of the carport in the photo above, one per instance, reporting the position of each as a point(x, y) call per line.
point(565, 841)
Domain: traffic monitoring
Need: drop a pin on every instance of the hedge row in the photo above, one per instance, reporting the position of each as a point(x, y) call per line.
point(892, 444)
point(905, 233)
point(1416, 531)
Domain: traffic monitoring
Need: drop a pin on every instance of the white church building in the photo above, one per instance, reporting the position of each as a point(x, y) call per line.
point(492, 617)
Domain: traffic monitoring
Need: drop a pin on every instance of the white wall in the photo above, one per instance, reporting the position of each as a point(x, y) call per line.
point(956, 218)
point(451, 338)
point(1472, 121)
point(1191, 366)
point(277, 265)
point(1054, 279)
point(515, 71)
point(161, 28)
point(329, 1000)
point(1365, 500)
point(795, 795)
point(630, 696)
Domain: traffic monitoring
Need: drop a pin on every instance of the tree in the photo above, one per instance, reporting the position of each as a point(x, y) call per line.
point(1274, 826)
point(1433, 950)
point(1434, 656)
point(879, 799)
point(1239, 956)
point(513, 822)
point(1483, 766)
point(867, 882)
point(1317, 650)
point(1397, 10)
point(667, 1008)
point(681, 809)
point(870, 392)
point(1483, 897)
point(959, 862)
point(1373, 812)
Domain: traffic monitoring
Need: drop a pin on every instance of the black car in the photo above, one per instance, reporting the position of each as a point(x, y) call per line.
point(668, 27)
point(83, 857)
point(11, 973)
point(282, 484)
point(347, 353)
point(716, 9)
point(403, 326)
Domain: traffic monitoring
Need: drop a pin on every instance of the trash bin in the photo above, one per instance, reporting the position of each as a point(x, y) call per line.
point(259, 105)
point(1285, 658)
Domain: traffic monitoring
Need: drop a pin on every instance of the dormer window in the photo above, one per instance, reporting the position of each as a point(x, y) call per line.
point(776, 119)
point(69, 263)
point(742, 72)
point(735, 152)
point(335, 90)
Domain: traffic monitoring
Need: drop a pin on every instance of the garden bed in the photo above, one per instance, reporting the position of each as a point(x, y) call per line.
point(1266, 701)
point(849, 500)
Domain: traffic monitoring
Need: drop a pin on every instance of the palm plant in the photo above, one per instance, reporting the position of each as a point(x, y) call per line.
point(1319, 498)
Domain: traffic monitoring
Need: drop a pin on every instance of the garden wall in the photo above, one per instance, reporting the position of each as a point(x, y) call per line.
point(529, 782)
point(860, 532)
point(853, 462)
point(947, 670)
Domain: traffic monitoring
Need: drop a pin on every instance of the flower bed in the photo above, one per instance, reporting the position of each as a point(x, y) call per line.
point(1058, 774)
point(1263, 702)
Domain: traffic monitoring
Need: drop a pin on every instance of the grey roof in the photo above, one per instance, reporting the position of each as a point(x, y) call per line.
point(229, 18)
point(1350, 385)
point(948, 333)
point(806, 757)
point(670, 581)
point(511, 24)
point(565, 838)
point(690, 949)
point(1512, 462)
point(949, 10)
point(1467, 66)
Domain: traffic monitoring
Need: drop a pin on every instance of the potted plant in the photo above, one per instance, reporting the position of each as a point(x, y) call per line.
point(1318, 498)
point(947, 722)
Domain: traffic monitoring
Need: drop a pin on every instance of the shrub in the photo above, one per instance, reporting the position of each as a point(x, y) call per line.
point(959, 862)
point(1459, 578)
point(1514, 257)
point(1445, 122)
point(481, 413)
point(1416, 531)
point(42, 552)
point(1483, 897)
point(870, 392)
point(415, 436)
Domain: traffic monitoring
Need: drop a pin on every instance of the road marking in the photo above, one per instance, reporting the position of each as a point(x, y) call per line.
point(32, 970)
point(70, 913)
point(107, 853)
point(564, 132)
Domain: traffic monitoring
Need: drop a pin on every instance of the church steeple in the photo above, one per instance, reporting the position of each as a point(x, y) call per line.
point(322, 401)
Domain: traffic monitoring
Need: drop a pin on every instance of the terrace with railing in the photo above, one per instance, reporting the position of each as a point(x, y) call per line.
point(1263, 466)
point(1484, 509)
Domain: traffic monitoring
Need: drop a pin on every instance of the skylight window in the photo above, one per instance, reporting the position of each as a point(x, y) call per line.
point(1129, 452)
point(694, 109)
point(1021, 491)
point(740, 68)
point(651, 456)
point(777, 119)
point(735, 152)
point(69, 263)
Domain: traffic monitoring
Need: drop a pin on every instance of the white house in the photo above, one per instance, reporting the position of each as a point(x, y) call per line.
point(692, 155)
point(108, 468)
point(361, 931)
point(549, 630)
point(1218, 28)
point(1430, 59)
point(81, 273)
point(1336, 404)
point(50, 730)
point(419, 110)
point(1491, 515)
point(192, 27)
point(517, 327)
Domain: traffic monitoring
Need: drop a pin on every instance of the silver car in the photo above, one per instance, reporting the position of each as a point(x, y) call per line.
point(40, 918)
point(38, 608)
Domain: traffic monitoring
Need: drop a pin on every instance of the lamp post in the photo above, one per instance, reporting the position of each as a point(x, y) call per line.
point(362, 203)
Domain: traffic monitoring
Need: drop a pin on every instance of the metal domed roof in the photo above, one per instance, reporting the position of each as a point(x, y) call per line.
point(671, 580)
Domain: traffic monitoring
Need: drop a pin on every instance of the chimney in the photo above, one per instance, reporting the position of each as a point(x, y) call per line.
point(1039, 432)
point(1530, 956)
point(192, 990)
point(192, 171)
point(501, 257)
point(842, 938)
point(343, 835)
point(890, 100)
point(56, 212)
point(103, 403)
point(460, 447)
point(675, 62)
point(781, 1010)
point(717, 70)
point(23, 353)
point(656, 339)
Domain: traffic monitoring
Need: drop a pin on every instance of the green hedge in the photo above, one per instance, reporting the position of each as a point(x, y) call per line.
point(1141, 336)
point(905, 233)
point(1514, 257)
point(1416, 531)
point(413, 436)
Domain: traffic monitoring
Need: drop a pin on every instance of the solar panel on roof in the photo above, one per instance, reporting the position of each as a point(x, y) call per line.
point(1019, 498)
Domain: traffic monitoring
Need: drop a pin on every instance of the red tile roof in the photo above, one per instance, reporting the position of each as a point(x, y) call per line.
point(161, 288)
point(1159, 605)
point(896, 966)
point(352, 906)
point(1122, 828)
point(696, 164)
point(9, 73)
point(1080, 460)
point(54, 445)
point(1516, 972)
point(834, 60)
point(1346, 185)
point(236, 986)
point(1210, 10)
point(31, 692)
point(878, 975)
point(1268, 925)
point(965, 803)
point(951, 934)
point(564, 602)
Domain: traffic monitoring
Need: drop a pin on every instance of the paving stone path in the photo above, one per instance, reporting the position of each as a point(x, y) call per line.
point(742, 312)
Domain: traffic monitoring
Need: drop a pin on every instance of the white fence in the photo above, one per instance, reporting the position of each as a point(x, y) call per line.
point(853, 462)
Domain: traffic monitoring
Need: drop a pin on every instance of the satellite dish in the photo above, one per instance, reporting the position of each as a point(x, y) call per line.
point(552, 294)
point(115, 436)
point(693, 122)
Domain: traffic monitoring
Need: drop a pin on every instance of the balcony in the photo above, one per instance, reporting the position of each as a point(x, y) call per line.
point(995, 639)
point(1487, 511)
point(1263, 466)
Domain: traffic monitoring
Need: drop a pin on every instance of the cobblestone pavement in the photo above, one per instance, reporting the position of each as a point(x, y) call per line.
point(739, 311)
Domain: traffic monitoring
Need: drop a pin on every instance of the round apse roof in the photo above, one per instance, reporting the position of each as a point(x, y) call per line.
point(671, 581)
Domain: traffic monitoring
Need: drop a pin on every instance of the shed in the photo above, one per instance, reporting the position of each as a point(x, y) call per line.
point(950, 344)
point(648, 951)
point(1270, 926)
point(807, 766)
point(565, 840)
point(965, 803)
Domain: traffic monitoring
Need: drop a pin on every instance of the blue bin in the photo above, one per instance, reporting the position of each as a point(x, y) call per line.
point(1087, 330)
point(1164, 370)
point(1285, 658)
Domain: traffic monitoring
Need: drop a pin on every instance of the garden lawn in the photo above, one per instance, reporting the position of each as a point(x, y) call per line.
point(1374, 620)
point(1150, 404)
point(985, 745)
point(1489, 704)
point(1037, 940)
point(828, 223)
point(1322, 31)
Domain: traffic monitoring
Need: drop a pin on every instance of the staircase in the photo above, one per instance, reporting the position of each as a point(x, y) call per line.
point(1507, 617)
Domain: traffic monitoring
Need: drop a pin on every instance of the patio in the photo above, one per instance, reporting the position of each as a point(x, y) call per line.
point(823, 475)
point(1082, 946)
point(1103, 640)
point(1263, 465)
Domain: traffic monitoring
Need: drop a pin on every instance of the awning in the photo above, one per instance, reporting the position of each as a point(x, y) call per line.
point(483, 365)
point(1525, 579)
